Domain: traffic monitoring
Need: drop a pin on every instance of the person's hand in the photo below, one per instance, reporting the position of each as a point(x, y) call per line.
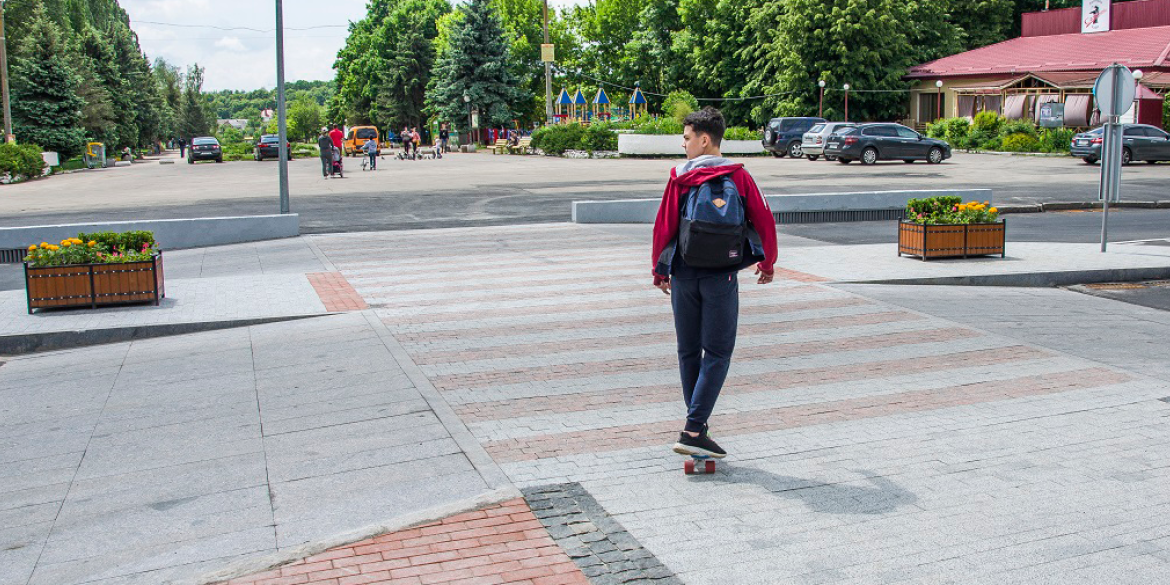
point(664, 286)
point(765, 277)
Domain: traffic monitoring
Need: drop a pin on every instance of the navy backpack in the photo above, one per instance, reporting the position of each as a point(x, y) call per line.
point(712, 228)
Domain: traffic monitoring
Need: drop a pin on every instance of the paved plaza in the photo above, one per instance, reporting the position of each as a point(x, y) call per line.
point(495, 405)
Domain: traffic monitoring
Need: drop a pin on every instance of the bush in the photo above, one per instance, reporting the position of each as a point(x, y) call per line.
point(1056, 140)
point(678, 104)
point(988, 122)
point(660, 126)
point(597, 137)
point(955, 131)
point(981, 139)
point(1017, 127)
point(948, 210)
point(741, 133)
point(1020, 142)
point(121, 242)
point(558, 138)
point(21, 160)
point(96, 248)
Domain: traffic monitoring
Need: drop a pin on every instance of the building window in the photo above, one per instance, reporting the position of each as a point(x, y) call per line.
point(928, 106)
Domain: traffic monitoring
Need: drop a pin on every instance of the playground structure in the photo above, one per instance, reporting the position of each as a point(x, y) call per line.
point(575, 109)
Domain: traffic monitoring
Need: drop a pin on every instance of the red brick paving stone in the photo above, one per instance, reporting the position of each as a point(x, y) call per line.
point(501, 544)
point(667, 362)
point(773, 419)
point(736, 385)
point(335, 291)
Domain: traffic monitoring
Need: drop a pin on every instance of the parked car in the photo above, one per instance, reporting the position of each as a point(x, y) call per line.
point(356, 138)
point(1140, 142)
point(782, 136)
point(204, 148)
point(813, 143)
point(870, 143)
point(268, 147)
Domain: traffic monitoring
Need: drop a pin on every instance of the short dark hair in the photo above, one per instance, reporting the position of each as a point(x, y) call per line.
point(707, 121)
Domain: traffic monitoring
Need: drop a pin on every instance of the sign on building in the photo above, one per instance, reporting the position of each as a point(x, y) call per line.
point(1095, 16)
point(1052, 115)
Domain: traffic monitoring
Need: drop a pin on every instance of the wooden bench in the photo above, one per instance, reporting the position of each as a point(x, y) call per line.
point(500, 147)
point(524, 147)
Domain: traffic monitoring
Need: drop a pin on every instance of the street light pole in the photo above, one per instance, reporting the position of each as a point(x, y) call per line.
point(467, 100)
point(939, 113)
point(821, 107)
point(547, 74)
point(846, 87)
point(281, 120)
point(8, 137)
point(1137, 103)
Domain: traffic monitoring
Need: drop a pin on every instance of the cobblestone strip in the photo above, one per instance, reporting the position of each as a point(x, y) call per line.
point(630, 436)
point(336, 292)
point(600, 546)
point(502, 544)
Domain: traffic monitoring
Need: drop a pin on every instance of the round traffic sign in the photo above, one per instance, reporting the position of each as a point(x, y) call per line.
point(1115, 90)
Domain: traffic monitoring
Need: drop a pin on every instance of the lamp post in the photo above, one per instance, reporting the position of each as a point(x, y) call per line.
point(467, 100)
point(846, 87)
point(281, 117)
point(1137, 103)
point(821, 107)
point(8, 137)
point(939, 112)
point(548, 106)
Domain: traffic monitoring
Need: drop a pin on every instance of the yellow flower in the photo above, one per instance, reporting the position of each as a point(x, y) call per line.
point(91, 243)
point(44, 245)
point(66, 243)
point(32, 247)
point(987, 203)
point(993, 210)
point(54, 248)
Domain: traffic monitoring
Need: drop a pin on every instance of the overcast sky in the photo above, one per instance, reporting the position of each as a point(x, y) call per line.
point(246, 59)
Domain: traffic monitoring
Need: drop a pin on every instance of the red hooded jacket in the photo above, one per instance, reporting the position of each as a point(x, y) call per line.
point(759, 215)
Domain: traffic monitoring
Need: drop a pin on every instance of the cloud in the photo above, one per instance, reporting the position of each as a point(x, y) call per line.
point(231, 44)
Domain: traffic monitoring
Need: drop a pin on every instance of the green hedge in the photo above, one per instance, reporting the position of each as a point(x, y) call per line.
point(989, 131)
point(21, 161)
point(121, 241)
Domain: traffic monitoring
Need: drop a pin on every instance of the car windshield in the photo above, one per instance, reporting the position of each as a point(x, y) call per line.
point(367, 133)
point(270, 139)
point(204, 141)
point(845, 130)
point(817, 128)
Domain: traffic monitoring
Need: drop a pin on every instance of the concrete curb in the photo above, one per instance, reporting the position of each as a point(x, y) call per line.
point(14, 345)
point(171, 233)
point(1034, 279)
point(264, 563)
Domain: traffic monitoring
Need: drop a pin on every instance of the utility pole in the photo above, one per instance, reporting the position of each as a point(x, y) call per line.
point(547, 74)
point(8, 136)
point(281, 120)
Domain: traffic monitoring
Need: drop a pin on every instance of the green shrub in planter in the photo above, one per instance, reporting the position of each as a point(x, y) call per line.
point(953, 130)
point(558, 138)
point(21, 160)
point(1056, 140)
point(988, 122)
point(741, 133)
point(598, 137)
point(1017, 127)
point(657, 126)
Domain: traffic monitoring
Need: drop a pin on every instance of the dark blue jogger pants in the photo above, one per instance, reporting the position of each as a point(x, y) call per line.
point(706, 316)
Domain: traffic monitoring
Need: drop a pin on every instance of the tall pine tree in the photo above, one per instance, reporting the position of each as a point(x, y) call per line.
point(476, 64)
point(45, 107)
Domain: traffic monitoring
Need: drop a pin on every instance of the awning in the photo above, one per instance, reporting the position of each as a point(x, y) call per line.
point(1013, 108)
point(1077, 109)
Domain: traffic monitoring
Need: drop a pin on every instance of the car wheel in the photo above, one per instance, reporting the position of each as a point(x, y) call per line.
point(813, 157)
point(779, 153)
point(935, 156)
point(830, 157)
point(869, 156)
point(795, 151)
point(844, 161)
point(1126, 156)
point(219, 160)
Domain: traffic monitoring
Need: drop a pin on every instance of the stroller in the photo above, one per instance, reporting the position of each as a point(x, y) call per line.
point(337, 166)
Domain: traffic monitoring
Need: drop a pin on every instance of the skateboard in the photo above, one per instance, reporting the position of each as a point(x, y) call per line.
point(699, 464)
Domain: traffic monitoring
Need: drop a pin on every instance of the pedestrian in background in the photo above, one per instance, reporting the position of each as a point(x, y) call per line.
point(371, 150)
point(325, 143)
point(444, 135)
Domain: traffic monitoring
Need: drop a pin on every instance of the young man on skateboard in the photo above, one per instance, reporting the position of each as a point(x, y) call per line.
point(705, 293)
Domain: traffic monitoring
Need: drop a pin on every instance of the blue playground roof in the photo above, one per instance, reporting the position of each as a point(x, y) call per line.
point(601, 97)
point(564, 98)
point(579, 98)
point(637, 97)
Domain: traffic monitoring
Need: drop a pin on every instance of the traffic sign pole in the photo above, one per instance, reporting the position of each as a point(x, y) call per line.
point(1114, 91)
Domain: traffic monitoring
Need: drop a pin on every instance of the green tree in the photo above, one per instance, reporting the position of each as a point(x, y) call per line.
point(194, 116)
point(304, 119)
point(476, 63)
point(45, 107)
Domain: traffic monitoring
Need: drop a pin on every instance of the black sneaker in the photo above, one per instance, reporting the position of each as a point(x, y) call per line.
point(700, 445)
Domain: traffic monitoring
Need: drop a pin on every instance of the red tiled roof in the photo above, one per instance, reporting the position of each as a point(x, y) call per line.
point(1139, 47)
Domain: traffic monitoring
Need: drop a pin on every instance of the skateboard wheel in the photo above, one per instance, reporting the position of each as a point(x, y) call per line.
point(710, 467)
point(689, 467)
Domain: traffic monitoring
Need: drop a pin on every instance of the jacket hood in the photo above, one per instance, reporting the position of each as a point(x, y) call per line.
point(701, 174)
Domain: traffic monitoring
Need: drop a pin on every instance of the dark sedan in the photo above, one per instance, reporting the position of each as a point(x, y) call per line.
point(870, 143)
point(204, 148)
point(269, 147)
point(1141, 142)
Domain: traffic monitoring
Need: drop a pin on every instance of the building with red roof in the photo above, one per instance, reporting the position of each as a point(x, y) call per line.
point(1057, 59)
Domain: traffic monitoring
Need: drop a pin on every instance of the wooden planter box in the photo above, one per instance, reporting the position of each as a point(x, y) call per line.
point(951, 241)
point(94, 285)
